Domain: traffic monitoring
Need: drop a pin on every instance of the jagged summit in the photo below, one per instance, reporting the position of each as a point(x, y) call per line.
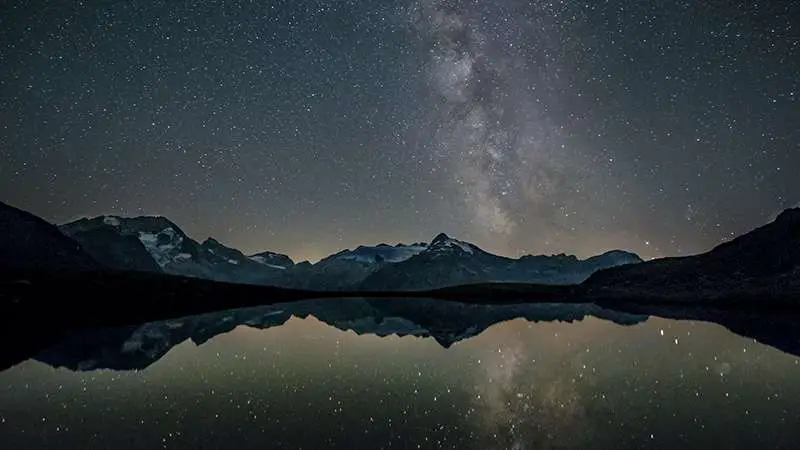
point(443, 244)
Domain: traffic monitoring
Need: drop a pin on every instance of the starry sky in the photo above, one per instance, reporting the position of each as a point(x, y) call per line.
point(306, 127)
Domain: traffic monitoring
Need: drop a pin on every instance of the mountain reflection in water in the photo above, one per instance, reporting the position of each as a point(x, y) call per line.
point(462, 377)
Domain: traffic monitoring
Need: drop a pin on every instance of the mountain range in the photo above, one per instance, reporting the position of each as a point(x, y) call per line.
point(157, 245)
point(760, 267)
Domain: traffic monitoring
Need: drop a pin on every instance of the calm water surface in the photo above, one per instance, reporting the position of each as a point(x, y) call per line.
point(305, 384)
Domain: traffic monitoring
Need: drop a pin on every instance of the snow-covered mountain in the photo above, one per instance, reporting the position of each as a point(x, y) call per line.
point(141, 243)
point(155, 244)
point(448, 262)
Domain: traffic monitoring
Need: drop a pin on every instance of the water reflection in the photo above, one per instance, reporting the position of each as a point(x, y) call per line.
point(136, 347)
point(302, 383)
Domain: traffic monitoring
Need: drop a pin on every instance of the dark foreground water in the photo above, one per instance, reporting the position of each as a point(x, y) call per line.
point(303, 383)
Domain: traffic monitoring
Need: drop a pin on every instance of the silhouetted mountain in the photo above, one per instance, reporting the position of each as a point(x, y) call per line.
point(764, 263)
point(28, 242)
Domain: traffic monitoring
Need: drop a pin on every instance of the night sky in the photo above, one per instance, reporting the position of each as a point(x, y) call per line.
point(306, 127)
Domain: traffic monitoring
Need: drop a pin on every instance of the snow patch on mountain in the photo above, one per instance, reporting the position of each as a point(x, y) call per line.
point(381, 253)
point(273, 260)
point(163, 245)
point(265, 261)
point(454, 243)
point(445, 244)
point(111, 221)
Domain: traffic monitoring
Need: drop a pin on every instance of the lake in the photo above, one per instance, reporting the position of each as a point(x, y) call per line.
point(335, 374)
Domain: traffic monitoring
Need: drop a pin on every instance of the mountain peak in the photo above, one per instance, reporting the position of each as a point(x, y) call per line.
point(444, 244)
point(441, 237)
point(211, 242)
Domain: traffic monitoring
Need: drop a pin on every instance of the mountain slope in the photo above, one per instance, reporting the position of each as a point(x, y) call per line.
point(28, 242)
point(127, 243)
point(119, 252)
point(232, 265)
point(765, 261)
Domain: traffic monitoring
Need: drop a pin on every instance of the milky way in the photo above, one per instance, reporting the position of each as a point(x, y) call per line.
point(308, 127)
point(494, 82)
